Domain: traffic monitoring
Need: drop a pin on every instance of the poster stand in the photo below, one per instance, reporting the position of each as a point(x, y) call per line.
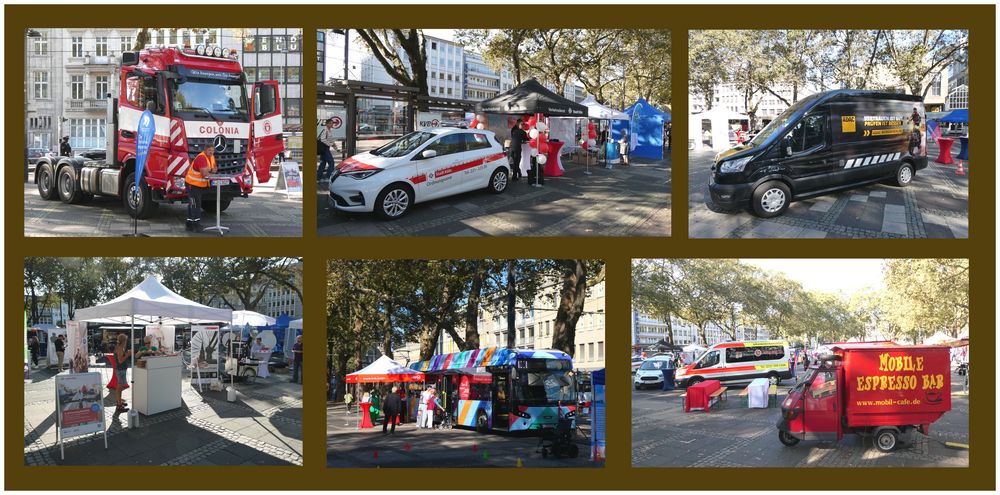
point(95, 396)
point(289, 179)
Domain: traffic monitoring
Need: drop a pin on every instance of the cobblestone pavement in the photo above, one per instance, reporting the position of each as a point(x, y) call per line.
point(935, 205)
point(265, 213)
point(632, 201)
point(732, 435)
point(262, 427)
point(349, 447)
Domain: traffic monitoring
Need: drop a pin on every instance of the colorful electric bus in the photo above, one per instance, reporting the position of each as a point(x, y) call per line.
point(496, 389)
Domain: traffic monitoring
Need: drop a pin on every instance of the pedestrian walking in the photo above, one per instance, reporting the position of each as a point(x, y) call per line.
point(348, 398)
point(60, 345)
point(198, 184)
point(623, 147)
point(391, 407)
point(297, 360)
point(326, 144)
point(517, 137)
point(33, 349)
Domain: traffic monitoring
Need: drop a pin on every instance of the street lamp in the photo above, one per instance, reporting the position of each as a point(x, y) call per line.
point(29, 33)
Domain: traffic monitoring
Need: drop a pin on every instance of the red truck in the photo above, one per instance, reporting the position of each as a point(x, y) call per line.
point(880, 389)
point(198, 96)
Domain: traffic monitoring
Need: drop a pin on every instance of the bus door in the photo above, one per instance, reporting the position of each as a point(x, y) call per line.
point(501, 401)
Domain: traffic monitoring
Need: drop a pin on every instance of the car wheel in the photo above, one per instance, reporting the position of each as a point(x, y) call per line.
point(139, 205)
point(787, 439)
point(46, 182)
point(770, 199)
point(885, 440)
point(773, 378)
point(393, 201)
point(69, 190)
point(904, 175)
point(498, 181)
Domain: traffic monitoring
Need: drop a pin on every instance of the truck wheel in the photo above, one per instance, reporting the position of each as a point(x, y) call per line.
point(904, 175)
point(773, 378)
point(393, 201)
point(885, 440)
point(498, 181)
point(68, 187)
point(787, 438)
point(482, 425)
point(139, 205)
point(770, 199)
point(46, 181)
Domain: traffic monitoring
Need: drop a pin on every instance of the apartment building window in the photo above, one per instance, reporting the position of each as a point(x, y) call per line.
point(41, 44)
point(293, 43)
point(434, 45)
point(280, 43)
point(41, 85)
point(581, 353)
point(264, 43)
point(449, 91)
point(76, 46)
point(591, 347)
point(936, 85)
point(101, 46)
point(293, 74)
point(251, 73)
point(76, 87)
point(263, 73)
point(101, 87)
point(600, 350)
point(125, 43)
point(278, 73)
point(86, 133)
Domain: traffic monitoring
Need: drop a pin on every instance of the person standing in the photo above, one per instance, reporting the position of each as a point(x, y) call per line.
point(422, 406)
point(428, 421)
point(326, 144)
point(33, 349)
point(391, 407)
point(670, 126)
point(198, 184)
point(64, 148)
point(517, 138)
point(121, 371)
point(623, 147)
point(297, 359)
point(60, 345)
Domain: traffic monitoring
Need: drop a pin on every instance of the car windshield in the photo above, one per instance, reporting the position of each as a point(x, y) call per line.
point(781, 122)
point(657, 364)
point(211, 100)
point(404, 145)
point(538, 388)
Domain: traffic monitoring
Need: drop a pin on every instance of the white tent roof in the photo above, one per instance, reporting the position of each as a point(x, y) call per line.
point(597, 111)
point(721, 113)
point(252, 318)
point(384, 369)
point(151, 302)
point(693, 348)
point(295, 324)
point(938, 338)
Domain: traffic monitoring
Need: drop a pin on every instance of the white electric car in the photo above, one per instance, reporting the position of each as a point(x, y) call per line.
point(420, 166)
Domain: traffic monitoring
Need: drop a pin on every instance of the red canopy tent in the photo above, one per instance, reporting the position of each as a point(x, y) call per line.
point(384, 370)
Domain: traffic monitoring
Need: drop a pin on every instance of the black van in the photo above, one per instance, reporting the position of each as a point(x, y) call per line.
point(831, 140)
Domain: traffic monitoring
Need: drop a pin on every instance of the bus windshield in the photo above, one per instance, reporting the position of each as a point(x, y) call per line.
point(211, 100)
point(545, 387)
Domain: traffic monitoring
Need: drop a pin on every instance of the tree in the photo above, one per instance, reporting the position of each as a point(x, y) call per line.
point(402, 53)
point(927, 295)
point(916, 55)
point(655, 290)
point(577, 276)
point(40, 278)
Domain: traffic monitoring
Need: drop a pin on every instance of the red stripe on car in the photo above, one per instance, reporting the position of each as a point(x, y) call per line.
point(418, 179)
point(467, 165)
point(352, 165)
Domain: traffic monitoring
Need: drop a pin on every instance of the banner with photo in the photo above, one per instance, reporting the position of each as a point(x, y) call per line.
point(163, 337)
point(76, 347)
point(79, 406)
point(204, 354)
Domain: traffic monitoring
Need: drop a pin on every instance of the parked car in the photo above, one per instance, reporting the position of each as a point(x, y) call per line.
point(636, 363)
point(650, 373)
point(423, 165)
point(35, 153)
point(825, 142)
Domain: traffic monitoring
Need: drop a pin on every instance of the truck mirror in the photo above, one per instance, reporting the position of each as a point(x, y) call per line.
point(130, 58)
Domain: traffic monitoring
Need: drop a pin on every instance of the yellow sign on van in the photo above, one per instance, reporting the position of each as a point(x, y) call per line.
point(848, 123)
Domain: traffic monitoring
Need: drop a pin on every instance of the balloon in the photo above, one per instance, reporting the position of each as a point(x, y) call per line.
point(541, 159)
point(480, 126)
point(534, 152)
point(533, 133)
point(541, 126)
point(533, 143)
point(590, 126)
point(592, 142)
point(543, 147)
point(584, 145)
point(474, 124)
point(592, 134)
point(532, 121)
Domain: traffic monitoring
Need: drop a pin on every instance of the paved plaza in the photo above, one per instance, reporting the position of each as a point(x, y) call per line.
point(412, 447)
point(262, 427)
point(265, 213)
point(935, 205)
point(633, 201)
point(731, 435)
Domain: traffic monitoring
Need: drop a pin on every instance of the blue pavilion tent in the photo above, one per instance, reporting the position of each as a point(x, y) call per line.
point(645, 126)
point(960, 116)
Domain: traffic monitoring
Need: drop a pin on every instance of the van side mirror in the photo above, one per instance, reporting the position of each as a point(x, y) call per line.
point(428, 154)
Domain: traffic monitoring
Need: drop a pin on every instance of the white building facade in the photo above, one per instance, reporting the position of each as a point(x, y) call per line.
point(647, 331)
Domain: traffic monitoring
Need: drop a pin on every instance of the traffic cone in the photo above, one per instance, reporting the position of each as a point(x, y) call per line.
point(486, 454)
point(474, 448)
point(375, 455)
point(407, 448)
point(961, 170)
point(520, 463)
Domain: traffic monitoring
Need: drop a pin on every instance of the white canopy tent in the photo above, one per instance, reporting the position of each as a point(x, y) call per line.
point(693, 348)
point(718, 119)
point(148, 303)
point(295, 324)
point(600, 112)
point(243, 318)
point(384, 370)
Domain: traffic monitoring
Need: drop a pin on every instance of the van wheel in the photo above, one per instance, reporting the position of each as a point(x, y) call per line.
point(46, 181)
point(69, 190)
point(498, 181)
point(773, 378)
point(138, 204)
point(787, 439)
point(904, 175)
point(696, 380)
point(770, 199)
point(482, 425)
point(885, 440)
point(393, 201)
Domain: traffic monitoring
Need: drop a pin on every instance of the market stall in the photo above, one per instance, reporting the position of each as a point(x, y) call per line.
point(645, 129)
point(601, 113)
point(382, 370)
point(158, 387)
point(710, 129)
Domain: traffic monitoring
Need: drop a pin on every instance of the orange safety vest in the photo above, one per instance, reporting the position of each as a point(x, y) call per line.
point(195, 177)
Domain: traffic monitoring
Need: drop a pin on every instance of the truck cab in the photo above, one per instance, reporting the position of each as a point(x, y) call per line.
point(198, 97)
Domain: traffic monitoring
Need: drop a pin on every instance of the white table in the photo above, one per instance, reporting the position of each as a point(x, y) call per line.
point(263, 357)
point(757, 393)
point(157, 385)
point(219, 181)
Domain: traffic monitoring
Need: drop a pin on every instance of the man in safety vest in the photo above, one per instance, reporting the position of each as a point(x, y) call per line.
point(198, 185)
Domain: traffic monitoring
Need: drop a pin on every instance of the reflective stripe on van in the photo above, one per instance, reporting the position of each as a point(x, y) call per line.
point(871, 160)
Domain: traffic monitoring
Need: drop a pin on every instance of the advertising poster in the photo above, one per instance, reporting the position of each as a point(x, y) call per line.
point(289, 178)
point(76, 347)
point(78, 404)
point(204, 354)
point(429, 119)
point(599, 437)
point(339, 117)
point(163, 337)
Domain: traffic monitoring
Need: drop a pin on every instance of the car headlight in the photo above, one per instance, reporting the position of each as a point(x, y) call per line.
point(737, 165)
point(361, 174)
